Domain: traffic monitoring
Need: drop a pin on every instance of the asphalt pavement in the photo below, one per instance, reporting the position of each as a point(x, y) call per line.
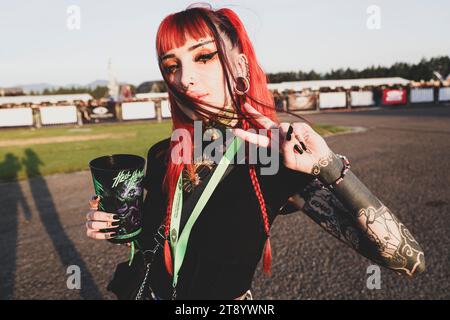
point(401, 154)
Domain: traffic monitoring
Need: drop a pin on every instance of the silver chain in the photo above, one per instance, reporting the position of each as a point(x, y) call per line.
point(141, 289)
point(159, 236)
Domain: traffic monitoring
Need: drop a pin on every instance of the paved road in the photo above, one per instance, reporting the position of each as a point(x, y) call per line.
point(403, 157)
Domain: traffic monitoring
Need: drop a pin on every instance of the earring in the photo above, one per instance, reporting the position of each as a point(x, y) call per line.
point(242, 85)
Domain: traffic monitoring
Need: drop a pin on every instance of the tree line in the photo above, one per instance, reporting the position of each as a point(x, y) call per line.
point(97, 92)
point(418, 71)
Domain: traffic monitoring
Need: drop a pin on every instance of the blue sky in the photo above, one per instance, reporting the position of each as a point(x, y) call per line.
point(36, 45)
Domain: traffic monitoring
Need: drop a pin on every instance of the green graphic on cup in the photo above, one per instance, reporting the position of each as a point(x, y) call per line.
point(118, 181)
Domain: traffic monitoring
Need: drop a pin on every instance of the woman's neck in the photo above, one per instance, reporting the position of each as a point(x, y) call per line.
point(214, 129)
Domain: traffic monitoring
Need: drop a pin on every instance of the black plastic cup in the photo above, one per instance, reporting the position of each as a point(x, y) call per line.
point(118, 181)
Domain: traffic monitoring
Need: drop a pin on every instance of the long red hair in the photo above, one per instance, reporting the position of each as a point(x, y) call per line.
point(198, 23)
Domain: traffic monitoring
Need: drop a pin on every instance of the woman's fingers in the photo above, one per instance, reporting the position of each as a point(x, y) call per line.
point(97, 225)
point(93, 203)
point(284, 130)
point(101, 216)
point(253, 137)
point(262, 140)
point(99, 220)
point(302, 143)
point(258, 139)
point(261, 119)
point(97, 235)
point(301, 133)
point(287, 133)
point(302, 129)
point(293, 137)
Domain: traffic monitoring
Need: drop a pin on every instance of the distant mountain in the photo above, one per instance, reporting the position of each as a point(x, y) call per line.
point(39, 87)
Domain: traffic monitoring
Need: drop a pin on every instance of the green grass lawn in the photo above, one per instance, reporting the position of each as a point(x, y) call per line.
point(21, 157)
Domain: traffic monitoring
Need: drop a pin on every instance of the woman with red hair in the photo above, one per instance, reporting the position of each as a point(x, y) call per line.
point(207, 224)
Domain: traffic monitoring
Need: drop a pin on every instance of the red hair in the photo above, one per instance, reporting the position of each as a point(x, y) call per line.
point(198, 23)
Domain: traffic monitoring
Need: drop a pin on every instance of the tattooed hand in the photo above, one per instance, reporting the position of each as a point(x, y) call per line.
point(301, 147)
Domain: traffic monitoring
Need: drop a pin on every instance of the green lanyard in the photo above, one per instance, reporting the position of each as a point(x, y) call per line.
point(179, 242)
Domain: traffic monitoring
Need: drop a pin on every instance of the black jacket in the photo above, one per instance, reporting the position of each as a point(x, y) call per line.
point(227, 240)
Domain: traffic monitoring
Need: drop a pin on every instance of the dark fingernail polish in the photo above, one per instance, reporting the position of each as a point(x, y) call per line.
point(94, 198)
point(297, 148)
point(115, 223)
point(116, 217)
point(303, 145)
point(111, 235)
point(289, 133)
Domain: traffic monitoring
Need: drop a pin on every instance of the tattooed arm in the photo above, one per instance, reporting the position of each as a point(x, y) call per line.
point(350, 212)
point(355, 216)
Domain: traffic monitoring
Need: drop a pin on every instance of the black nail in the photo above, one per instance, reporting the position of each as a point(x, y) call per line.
point(115, 223)
point(289, 133)
point(116, 217)
point(111, 235)
point(297, 148)
point(303, 145)
point(94, 198)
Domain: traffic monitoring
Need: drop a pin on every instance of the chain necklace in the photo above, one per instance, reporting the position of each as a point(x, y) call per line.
point(202, 166)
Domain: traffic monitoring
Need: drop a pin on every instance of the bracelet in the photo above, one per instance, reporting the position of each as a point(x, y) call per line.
point(343, 173)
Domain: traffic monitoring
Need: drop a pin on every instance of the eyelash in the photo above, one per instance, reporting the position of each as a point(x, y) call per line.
point(203, 58)
point(207, 57)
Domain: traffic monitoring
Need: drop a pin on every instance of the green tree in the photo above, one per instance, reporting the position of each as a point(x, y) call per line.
point(421, 70)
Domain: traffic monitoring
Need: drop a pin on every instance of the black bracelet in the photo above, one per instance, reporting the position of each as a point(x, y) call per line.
point(343, 173)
